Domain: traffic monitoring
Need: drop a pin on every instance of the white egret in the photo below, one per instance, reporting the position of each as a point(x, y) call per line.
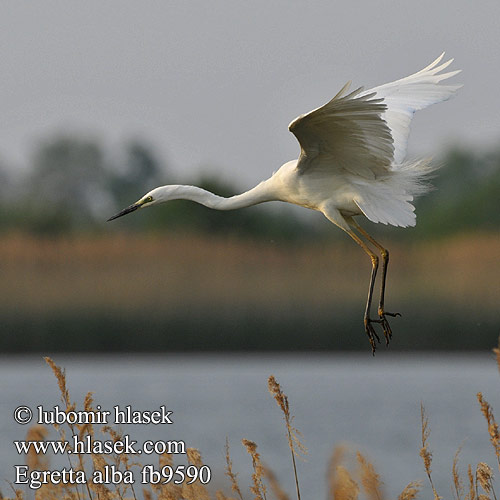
point(351, 164)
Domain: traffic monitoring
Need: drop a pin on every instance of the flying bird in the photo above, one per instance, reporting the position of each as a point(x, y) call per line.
point(351, 163)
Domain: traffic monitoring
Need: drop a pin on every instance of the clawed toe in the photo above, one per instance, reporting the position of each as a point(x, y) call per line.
point(372, 334)
point(386, 328)
point(385, 323)
point(393, 315)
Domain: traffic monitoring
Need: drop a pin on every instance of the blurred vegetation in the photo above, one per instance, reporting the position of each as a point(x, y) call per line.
point(466, 196)
point(74, 183)
point(200, 279)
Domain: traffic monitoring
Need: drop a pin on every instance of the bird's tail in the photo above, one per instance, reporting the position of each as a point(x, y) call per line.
point(389, 201)
point(414, 177)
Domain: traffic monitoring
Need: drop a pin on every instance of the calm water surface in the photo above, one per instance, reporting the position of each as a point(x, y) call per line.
point(373, 404)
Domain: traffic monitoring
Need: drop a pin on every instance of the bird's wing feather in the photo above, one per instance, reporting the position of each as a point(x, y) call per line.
point(346, 134)
point(405, 96)
point(365, 133)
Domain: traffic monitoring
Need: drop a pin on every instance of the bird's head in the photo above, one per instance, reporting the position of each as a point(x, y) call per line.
point(157, 195)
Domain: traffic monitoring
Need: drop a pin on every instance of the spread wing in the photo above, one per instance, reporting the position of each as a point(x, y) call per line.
point(404, 97)
point(366, 133)
point(348, 133)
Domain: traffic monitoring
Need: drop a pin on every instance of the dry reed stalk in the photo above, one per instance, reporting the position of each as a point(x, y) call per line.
point(294, 443)
point(219, 495)
point(487, 411)
point(119, 458)
point(60, 375)
point(195, 490)
point(165, 459)
point(424, 452)
point(18, 494)
point(86, 428)
point(457, 481)
point(36, 460)
point(484, 476)
point(169, 491)
point(167, 494)
point(369, 478)
point(343, 485)
point(53, 492)
point(258, 488)
point(336, 459)
point(411, 491)
point(233, 476)
point(103, 493)
point(276, 488)
point(471, 495)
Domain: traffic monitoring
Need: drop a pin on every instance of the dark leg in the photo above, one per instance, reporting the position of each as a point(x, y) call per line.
point(370, 331)
point(385, 262)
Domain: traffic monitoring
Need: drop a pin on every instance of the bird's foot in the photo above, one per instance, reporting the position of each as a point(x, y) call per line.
point(373, 338)
point(384, 323)
point(372, 334)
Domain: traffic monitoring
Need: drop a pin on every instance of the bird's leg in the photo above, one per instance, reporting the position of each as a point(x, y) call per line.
point(370, 331)
point(385, 262)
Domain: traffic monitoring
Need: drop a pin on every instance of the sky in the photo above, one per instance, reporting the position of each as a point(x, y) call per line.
point(212, 86)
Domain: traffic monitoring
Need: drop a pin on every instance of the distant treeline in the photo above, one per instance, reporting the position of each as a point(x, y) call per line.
point(73, 184)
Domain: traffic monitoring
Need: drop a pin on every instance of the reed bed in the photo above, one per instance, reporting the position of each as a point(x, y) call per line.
point(351, 476)
point(147, 273)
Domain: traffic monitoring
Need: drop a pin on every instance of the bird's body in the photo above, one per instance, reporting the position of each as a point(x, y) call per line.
point(351, 164)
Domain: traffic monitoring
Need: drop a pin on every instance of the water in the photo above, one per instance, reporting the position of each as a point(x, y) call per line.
point(371, 403)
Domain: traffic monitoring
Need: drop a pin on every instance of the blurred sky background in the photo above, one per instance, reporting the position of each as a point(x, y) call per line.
point(213, 85)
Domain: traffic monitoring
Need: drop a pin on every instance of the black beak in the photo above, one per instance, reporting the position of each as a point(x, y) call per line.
point(125, 211)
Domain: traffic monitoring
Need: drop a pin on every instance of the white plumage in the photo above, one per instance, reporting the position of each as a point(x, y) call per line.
point(352, 162)
point(362, 137)
point(413, 93)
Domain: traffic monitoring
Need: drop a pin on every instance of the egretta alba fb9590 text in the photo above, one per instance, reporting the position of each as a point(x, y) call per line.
point(351, 164)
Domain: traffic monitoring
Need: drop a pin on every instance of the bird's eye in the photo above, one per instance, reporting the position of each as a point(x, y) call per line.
point(149, 199)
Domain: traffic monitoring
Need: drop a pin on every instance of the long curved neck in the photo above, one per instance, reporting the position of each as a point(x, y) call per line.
point(258, 194)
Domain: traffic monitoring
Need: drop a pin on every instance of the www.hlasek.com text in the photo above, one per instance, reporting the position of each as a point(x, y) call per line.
point(88, 445)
